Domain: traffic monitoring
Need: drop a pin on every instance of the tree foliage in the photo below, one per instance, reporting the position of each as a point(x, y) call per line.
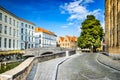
point(91, 33)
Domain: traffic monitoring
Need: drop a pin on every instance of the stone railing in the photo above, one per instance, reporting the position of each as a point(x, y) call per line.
point(21, 72)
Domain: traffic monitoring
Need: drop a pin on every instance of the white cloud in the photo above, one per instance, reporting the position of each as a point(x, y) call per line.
point(88, 1)
point(70, 24)
point(78, 10)
point(64, 27)
point(67, 25)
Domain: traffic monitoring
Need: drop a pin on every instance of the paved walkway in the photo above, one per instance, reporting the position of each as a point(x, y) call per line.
point(46, 70)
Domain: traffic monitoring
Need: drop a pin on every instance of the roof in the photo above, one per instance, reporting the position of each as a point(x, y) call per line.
point(74, 38)
point(61, 38)
point(70, 38)
point(38, 29)
point(26, 21)
point(5, 10)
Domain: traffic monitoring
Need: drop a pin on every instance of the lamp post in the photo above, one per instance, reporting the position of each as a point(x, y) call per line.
point(92, 48)
point(26, 45)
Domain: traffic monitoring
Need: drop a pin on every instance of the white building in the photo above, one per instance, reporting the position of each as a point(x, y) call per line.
point(9, 30)
point(44, 38)
point(27, 39)
point(15, 32)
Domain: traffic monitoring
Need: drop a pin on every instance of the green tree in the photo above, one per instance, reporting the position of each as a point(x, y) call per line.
point(91, 33)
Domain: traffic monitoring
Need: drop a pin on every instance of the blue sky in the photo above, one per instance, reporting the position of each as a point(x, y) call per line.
point(63, 17)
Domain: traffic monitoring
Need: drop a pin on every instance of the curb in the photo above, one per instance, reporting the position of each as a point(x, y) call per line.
point(54, 77)
point(108, 61)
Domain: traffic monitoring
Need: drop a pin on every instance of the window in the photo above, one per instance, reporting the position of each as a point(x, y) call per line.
point(10, 20)
point(13, 43)
point(25, 38)
point(32, 46)
point(9, 43)
point(10, 31)
point(17, 43)
point(25, 25)
point(0, 16)
point(17, 24)
point(29, 38)
point(13, 22)
point(32, 27)
point(0, 41)
point(32, 39)
point(29, 26)
point(5, 30)
point(32, 33)
point(0, 28)
point(40, 36)
point(5, 42)
point(28, 45)
point(5, 18)
point(21, 37)
point(13, 32)
point(26, 31)
point(17, 33)
point(29, 32)
point(22, 45)
point(22, 24)
point(22, 30)
point(40, 41)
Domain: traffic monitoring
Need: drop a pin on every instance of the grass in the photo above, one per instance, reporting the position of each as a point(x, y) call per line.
point(8, 66)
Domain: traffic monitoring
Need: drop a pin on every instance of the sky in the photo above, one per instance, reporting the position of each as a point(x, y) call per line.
point(63, 17)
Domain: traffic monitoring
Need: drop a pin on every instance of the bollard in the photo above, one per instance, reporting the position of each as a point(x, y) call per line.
point(67, 54)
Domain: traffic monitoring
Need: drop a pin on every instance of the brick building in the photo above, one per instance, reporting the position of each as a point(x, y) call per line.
point(67, 42)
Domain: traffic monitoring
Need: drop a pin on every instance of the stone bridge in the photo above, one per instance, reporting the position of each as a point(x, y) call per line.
point(45, 50)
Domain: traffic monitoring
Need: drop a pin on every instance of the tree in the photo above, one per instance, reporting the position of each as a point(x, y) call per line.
point(91, 33)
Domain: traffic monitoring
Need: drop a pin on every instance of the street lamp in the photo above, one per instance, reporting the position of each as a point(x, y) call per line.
point(92, 48)
point(26, 45)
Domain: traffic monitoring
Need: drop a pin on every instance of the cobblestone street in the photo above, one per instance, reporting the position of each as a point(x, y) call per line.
point(86, 67)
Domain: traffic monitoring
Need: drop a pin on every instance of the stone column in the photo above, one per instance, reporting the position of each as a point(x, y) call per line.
point(118, 14)
point(115, 23)
point(107, 23)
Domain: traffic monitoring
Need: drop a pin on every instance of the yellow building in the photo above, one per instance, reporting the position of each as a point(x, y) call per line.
point(67, 42)
point(112, 25)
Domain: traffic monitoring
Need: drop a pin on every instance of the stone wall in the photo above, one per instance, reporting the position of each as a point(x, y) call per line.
point(21, 72)
point(50, 56)
point(114, 50)
point(109, 61)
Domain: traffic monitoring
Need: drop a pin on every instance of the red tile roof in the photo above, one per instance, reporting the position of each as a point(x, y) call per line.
point(38, 29)
point(70, 38)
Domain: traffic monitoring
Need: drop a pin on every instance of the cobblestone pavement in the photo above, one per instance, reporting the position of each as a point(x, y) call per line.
point(45, 70)
point(86, 67)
